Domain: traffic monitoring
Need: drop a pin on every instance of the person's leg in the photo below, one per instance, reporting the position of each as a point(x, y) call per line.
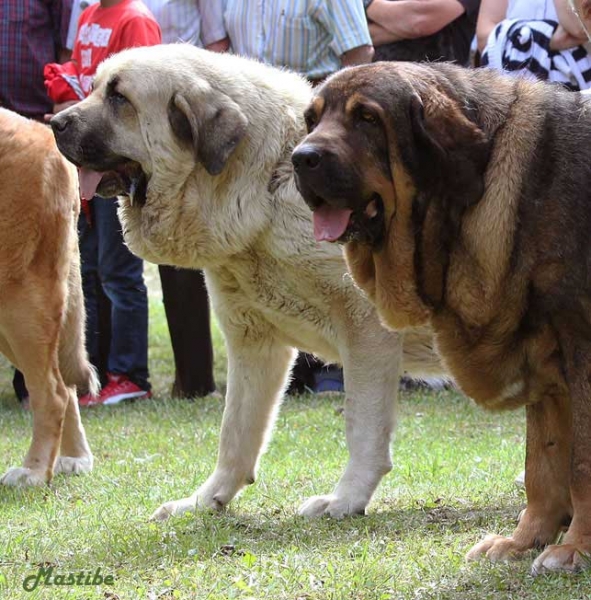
point(103, 307)
point(121, 275)
point(87, 238)
point(187, 313)
point(20, 389)
point(303, 374)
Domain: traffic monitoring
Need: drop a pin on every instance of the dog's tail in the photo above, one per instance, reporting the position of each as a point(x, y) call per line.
point(73, 357)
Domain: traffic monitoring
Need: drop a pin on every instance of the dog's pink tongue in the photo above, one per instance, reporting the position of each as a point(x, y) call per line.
point(89, 181)
point(330, 223)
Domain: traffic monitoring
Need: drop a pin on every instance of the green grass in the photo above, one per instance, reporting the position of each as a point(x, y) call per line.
point(454, 466)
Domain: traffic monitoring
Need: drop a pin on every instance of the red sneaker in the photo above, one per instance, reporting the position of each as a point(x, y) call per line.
point(118, 388)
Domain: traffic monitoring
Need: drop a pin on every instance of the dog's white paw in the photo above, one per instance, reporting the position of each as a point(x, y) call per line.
point(175, 507)
point(214, 494)
point(331, 505)
point(70, 465)
point(23, 477)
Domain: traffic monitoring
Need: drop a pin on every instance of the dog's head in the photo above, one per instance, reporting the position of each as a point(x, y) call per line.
point(145, 116)
point(393, 157)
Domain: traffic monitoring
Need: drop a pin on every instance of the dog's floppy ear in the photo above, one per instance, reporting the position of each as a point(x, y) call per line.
point(212, 123)
point(452, 151)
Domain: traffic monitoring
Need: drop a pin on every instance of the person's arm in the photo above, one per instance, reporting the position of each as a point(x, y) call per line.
point(213, 32)
point(570, 31)
point(583, 10)
point(569, 20)
point(491, 13)
point(380, 35)
point(357, 56)
point(410, 19)
point(345, 20)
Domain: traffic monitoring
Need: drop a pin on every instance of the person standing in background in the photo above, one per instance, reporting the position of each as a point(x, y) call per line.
point(105, 29)
point(183, 290)
point(422, 30)
point(535, 39)
point(32, 34)
point(314, 38)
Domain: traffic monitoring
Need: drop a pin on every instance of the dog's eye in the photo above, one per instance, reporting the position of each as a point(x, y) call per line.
point(311, 121)
point(367, 116)
point(117, 98)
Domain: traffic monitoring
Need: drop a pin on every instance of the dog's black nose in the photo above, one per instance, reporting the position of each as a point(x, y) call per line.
point(306, 158)
point(59, 123)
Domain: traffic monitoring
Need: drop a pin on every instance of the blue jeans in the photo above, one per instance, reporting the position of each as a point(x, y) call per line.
point(106, 261)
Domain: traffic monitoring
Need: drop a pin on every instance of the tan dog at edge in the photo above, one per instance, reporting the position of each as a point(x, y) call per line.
point(41, 304)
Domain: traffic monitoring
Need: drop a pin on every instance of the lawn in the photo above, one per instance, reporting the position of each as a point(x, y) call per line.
point(452, 482)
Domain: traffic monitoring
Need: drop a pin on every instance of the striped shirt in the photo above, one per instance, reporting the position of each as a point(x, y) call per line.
point(30, 32)
point(187, 21)
point(522, 48)
point(307, 36)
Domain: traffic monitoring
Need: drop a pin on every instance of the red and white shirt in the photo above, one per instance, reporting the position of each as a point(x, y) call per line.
point(106, 31)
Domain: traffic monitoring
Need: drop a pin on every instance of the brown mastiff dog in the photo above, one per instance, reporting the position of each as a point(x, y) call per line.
point(41, 302)
point(463, 198)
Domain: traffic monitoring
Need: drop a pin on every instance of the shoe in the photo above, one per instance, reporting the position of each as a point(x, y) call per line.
point(118, 388)
point(329, 380)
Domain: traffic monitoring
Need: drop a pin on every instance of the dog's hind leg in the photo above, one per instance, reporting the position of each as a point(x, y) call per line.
point(75, 455)
point(48, 398)
point(31, 324)
point(372, 372)
point(257, 375)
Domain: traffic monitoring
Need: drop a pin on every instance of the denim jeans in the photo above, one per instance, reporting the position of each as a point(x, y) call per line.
point(107, 261)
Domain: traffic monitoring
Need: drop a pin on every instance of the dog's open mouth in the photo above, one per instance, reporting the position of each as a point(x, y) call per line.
point(343, 225)
point(128, 179)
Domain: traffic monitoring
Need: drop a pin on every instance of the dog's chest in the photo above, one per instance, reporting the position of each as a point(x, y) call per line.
point(500, 371)
point(289, 297)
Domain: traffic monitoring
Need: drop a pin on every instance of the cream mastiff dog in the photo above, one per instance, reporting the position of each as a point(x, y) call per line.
point(198, 145)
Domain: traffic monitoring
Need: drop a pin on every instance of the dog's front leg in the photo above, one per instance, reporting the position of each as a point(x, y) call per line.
point(258, 368)
point(546, 482)
point(372, 373)
point(574, 552)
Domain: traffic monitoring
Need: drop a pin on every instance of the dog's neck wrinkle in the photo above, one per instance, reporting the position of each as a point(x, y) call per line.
point(487, 228)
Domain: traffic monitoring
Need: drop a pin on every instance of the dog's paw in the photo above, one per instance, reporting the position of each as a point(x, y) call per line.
point(23, 477)
point(568, 558)
point(174, 508)
point(70, 465)
point(496, 548)
point(330, 505)
point(214, 495)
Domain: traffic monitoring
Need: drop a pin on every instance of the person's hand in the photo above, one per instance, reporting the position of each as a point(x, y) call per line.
point(563, 40)
point(58, 108)
point(219, 46)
